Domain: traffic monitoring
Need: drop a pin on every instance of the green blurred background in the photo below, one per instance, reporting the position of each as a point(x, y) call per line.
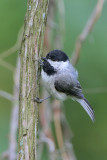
point(89, 140)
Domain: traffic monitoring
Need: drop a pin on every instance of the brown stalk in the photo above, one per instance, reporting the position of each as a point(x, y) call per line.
point(87, 29)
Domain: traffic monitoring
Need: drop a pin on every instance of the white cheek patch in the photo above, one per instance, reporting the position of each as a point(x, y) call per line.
point(58, 65)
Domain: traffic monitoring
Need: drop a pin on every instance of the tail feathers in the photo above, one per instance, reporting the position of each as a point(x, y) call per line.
point(87, 107)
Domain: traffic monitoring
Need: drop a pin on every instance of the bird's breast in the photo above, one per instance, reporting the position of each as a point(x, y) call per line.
point(48, 82)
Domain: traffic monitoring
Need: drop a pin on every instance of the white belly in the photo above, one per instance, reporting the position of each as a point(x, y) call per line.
point(48, 82)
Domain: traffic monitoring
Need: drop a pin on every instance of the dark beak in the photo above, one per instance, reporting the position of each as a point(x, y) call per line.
point(44, 58)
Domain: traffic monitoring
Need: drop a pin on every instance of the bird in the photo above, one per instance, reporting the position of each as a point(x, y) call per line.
point(60, 79)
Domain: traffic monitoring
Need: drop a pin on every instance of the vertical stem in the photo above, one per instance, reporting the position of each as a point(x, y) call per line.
point(59, 135)
point(31, 49)
point(14, 116)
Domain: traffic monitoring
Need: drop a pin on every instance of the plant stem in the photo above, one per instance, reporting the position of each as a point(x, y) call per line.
point(31, 50)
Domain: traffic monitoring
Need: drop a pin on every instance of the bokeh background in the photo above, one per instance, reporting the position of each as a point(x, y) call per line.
point(89, 140)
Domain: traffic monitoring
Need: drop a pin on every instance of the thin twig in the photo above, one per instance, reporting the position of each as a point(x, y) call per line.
point(6, 95)
point(15, 47)
point(58, 129)
point(48, 141)
point(60, 40)
point(4, 155)
point(10, 51)
point(57, 104)
point(7, 65)
point(45, 119)
point(14, 117)
point(11, 152)
point(45, 116)
point(45, 108)
point(87, 29)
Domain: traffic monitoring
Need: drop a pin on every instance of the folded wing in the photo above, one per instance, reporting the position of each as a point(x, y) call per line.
point(74, 89)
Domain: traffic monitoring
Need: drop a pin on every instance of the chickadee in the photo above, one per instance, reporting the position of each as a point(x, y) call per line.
point(61, 80)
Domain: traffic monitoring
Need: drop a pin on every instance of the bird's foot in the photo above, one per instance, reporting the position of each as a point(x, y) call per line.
point(38, 100)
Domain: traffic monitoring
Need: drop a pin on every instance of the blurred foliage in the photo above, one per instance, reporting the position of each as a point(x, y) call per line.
point(12, 14)
point(89, 140)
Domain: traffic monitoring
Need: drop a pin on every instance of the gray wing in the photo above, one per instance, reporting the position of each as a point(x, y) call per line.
point(67, 86)
point(67, 82)
point(74, 89)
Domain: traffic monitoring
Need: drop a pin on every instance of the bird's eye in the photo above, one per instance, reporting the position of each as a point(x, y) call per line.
point(53, 59)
